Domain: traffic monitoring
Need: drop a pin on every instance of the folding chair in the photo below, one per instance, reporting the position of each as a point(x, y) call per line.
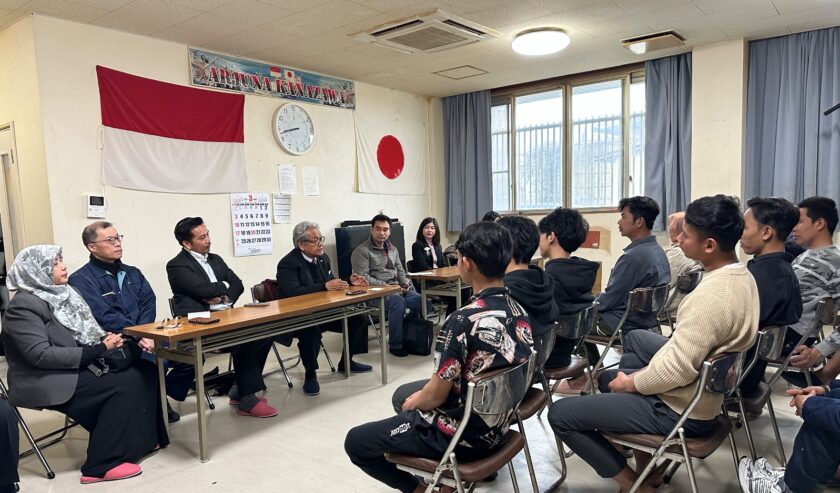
point(719, 375)
point(260, 294)
point(640, 300)
point(210, 403)
point(825, 314)
point(496, 396)
point(686, 282)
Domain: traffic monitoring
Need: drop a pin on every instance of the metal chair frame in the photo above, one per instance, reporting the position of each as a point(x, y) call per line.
point(686, 283)
point(825, 314)
point(719, 375)
point(768, 347)
point(499, 393)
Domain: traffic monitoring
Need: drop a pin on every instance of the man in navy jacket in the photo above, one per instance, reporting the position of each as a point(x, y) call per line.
point(120, 296)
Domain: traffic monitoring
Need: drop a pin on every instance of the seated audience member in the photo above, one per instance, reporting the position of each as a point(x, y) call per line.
point(818, 271)
point(815, 457)
point(658, 375)
point(119, 296)
point(202, 281)
point(677, 261)
point(492, 328)
point(378, 261)
point(528, 284)
point(643, 265)
point(426, 251)
point(491, 216)
point(562, 232)
point(52, 344)
point(767, 222)
point(307, 269)
point(8, 448)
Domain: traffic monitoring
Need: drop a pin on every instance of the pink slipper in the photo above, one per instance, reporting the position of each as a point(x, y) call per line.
point(123, 471)
point(260, 410)
point(235, 402)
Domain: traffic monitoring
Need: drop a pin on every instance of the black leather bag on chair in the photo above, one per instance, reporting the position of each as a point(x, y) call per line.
point(418, 335)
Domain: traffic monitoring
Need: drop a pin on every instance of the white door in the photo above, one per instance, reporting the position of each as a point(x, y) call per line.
point(9, 213)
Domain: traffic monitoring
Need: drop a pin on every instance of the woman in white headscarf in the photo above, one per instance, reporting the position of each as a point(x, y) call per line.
point(53, 347)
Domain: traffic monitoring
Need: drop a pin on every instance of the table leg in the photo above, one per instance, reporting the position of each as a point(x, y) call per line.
point(346, 346)
point(199, 398)
point(162, 384)
point(384, 348)
point(423, 309)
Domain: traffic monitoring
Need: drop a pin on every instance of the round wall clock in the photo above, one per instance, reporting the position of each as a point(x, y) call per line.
point(293, 128)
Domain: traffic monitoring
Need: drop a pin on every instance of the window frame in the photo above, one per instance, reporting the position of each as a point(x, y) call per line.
point(627, 74)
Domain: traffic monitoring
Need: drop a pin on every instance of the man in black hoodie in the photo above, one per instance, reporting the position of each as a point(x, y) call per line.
point(527, 283)
point(562, 232)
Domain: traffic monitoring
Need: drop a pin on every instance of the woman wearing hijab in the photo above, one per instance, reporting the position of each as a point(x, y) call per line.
point(52, 344)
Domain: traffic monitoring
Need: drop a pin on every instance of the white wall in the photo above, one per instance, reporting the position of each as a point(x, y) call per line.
point(67, 54)
point(19, 105)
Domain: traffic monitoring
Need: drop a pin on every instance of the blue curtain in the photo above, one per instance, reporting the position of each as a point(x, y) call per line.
point(668, 134)
point(466, 147)
point(793, 150)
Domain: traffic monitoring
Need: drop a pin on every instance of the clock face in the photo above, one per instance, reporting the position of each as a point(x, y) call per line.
point(293, 129)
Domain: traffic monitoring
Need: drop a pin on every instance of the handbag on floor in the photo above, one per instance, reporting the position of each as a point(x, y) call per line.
point(418, 335)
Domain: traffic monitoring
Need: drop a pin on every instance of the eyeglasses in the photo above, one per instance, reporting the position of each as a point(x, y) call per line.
point(111, 240)
point(318, 240)
point(169, 323)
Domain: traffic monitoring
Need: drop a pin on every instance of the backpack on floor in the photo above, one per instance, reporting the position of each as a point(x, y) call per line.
point(418, 334)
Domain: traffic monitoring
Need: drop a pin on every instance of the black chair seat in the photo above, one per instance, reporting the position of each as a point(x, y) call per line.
point(754, 401)
point(534, 400)
point(470, 471)
point(575, 368)
point(699, 448)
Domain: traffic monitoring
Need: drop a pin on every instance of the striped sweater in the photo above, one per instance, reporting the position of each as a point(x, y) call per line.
point(719, 316)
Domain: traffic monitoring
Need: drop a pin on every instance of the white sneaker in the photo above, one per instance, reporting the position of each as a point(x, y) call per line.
point(755, 479)
point(762, 464)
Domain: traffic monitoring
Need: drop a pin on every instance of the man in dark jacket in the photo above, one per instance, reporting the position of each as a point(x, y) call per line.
point(307, 269)
point(562, 232)
point(202, 281)
point(119, 296)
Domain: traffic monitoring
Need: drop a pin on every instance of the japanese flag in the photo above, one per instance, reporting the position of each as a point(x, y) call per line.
point(390, 156)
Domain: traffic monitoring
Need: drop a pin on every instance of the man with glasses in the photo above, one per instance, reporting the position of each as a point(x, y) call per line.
point(307, 269)
point(119, 296)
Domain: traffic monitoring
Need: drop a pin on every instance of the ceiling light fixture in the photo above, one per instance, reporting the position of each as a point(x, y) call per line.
point(540, 41)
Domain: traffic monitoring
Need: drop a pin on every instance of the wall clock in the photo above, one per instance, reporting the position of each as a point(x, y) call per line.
point(293, 128)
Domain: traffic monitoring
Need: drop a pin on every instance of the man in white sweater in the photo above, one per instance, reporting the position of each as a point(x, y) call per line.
point(658, 376)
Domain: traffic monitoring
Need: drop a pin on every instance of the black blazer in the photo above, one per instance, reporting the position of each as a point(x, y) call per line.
point(423, 258)
point(295, 276)
point(190, 283)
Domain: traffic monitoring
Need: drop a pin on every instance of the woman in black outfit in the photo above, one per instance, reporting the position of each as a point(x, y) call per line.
point(426, 252)
point(54, 348)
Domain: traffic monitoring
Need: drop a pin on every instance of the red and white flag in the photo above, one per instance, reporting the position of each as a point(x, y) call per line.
point(164, 137)
point(391, 156)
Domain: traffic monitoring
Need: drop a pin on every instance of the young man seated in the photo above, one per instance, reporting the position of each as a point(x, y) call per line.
point(643, 265)
point(491, 332)
point(818, 271)
point(562, 232)
point(658, 375)
point(527, 283)
point(767, 222)
point(816, 456)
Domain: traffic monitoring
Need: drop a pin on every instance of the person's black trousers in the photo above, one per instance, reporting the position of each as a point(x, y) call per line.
point(357, 333)
point(8, 447)
point(248, 363)
point(123, 414)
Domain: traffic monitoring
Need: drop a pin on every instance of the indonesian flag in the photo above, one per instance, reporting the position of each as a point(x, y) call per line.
point(163, 137)
point(390, 156)
point(275, 72)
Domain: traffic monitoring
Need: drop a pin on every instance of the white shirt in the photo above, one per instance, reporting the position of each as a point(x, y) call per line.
point(201, 258)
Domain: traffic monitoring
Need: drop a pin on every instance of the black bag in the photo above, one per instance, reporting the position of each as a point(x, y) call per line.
point(120, 358)
point(418, 335)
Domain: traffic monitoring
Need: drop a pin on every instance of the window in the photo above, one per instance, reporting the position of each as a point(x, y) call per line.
point(592, 164)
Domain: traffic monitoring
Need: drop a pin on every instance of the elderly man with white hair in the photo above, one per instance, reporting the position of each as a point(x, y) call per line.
point(307, 269)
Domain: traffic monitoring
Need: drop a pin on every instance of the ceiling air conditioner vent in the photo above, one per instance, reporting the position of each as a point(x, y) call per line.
point(429, 32)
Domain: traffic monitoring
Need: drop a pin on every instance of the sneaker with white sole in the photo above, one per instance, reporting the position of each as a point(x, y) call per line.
point(755, 479)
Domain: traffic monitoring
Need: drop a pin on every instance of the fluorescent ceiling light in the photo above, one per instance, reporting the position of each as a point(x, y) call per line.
point(542, 41)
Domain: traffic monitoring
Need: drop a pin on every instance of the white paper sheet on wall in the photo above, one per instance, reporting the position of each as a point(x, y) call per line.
point(288, 178)
point(282, 208)
point(309, 174)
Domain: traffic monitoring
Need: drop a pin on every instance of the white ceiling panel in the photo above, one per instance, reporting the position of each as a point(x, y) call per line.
point(145, 16)
point(236, 17)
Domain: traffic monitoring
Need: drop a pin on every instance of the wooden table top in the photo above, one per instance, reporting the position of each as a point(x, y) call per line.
point(440, 274)
point(247, 316)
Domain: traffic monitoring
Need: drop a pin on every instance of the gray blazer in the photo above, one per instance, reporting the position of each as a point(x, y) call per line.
point(42, 355)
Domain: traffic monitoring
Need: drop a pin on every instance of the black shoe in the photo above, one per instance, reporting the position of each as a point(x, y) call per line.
point(398, 352)
point(171, 415)
point(797, 378)
point(355, 367)
point(311, 386)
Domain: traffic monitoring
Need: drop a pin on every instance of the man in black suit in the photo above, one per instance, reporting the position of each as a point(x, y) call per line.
point(201, 281)
point(307, 269)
